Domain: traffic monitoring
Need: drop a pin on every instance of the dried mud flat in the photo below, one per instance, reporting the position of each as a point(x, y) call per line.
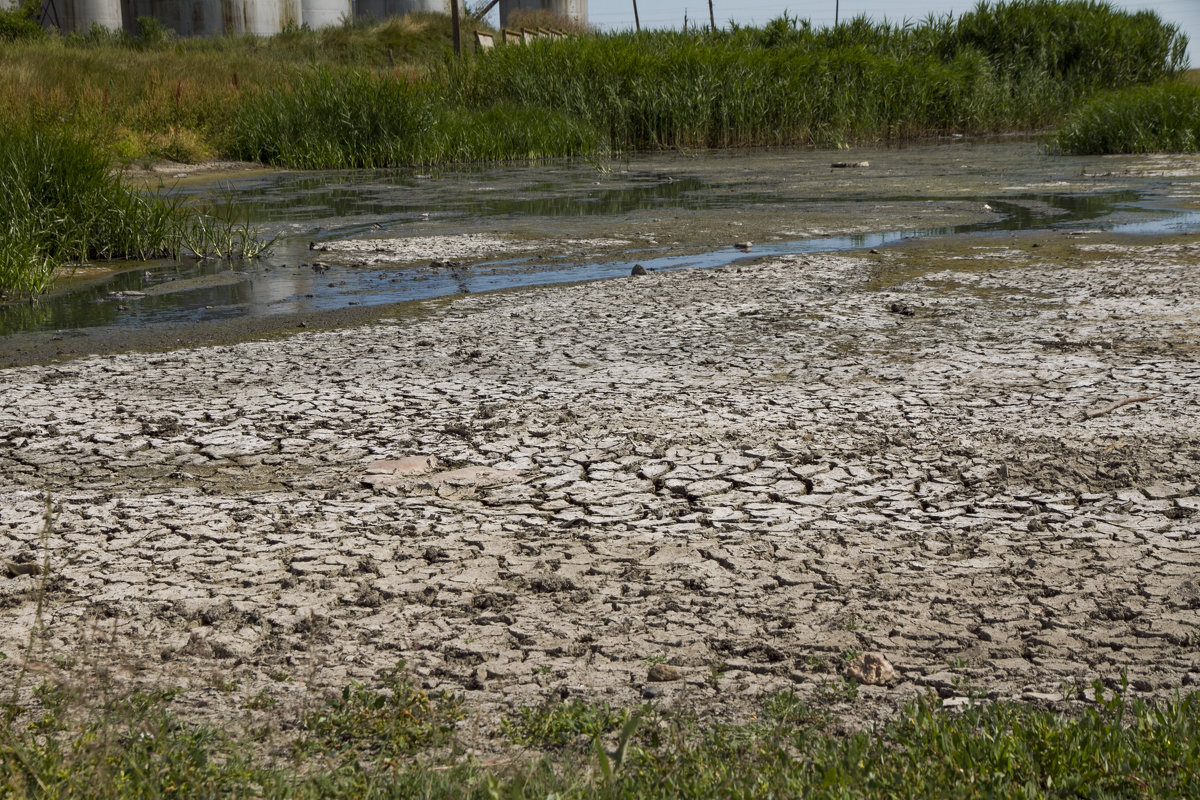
point(749, 474)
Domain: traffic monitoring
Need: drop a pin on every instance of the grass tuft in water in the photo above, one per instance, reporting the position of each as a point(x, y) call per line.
point(60, 204)
point(1145, 119)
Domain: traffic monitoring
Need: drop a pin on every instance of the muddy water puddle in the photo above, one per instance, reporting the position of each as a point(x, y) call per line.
point(368, 238)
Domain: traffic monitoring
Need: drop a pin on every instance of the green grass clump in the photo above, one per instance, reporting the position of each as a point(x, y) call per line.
point(386, 722)
point(21, 22)
point(1084, 45)
point(348, 119)
point(1164, 118)
point(393, 740)
point(60, 204)
point(560, 725)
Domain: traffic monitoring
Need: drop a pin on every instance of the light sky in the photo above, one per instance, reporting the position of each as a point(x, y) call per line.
point(618, 14)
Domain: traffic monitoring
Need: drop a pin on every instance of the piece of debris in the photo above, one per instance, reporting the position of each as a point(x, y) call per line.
point(850, 164)
point(638, 269)
point(870, 668)
point(744, 245)
point(1141, 398)
point(901, 309)
point(663, 673)
point(13, 569)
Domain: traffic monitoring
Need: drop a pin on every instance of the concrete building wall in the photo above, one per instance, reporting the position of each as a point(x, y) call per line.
point(81, 15)
point(325, 13)
point(575, 10)
point(381, 9)
point(236, 17)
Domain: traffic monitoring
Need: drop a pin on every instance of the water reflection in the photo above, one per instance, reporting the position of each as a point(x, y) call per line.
point(307, 206)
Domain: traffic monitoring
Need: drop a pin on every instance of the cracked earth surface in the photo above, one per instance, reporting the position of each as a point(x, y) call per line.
point(750, 474)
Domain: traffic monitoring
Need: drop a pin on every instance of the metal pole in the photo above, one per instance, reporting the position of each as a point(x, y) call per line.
point(712, 21)
point(836, 3)
point(636, 22)
point(454, 21)
point(481, 13)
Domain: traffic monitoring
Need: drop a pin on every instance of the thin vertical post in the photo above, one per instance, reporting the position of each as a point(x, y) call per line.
point(836, 3)
point(636, 22)
point(454, 21)
point(712, 21)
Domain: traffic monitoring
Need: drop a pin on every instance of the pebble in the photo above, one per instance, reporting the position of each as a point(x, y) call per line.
point(663, 673)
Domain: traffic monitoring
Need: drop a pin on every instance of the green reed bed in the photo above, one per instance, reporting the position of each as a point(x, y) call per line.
point(152, 95)
point(348, 119)
point(670, 90)
point(61, 204)
point(1001, 67)
point(391, 739)
point(1004, 66)
point(1145, 119)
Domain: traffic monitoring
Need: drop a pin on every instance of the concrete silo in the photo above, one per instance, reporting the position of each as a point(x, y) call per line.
point(325, 13)
point(574, 10)
point(215, 17)
point(381, 9)
point(81, 15)
point(259, 17)
point(185, 17)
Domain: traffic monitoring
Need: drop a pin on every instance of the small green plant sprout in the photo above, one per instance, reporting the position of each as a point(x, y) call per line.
point(261, 701)
point(837, 690)
point(786, 708)
point(387, 721)
point(561, 724)
point(716, 671)
point(610, 763)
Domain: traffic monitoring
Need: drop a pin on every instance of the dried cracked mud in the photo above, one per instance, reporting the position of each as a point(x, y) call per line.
point(750, 474)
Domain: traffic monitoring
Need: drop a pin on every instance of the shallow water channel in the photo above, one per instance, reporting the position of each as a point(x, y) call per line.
point(574, 221)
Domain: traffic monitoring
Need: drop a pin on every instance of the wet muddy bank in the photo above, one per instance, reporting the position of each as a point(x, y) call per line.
point(913, 256)
point(351, 239)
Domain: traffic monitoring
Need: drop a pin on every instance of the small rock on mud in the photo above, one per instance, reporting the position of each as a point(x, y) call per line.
point(871, 668)
point(663, 673)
